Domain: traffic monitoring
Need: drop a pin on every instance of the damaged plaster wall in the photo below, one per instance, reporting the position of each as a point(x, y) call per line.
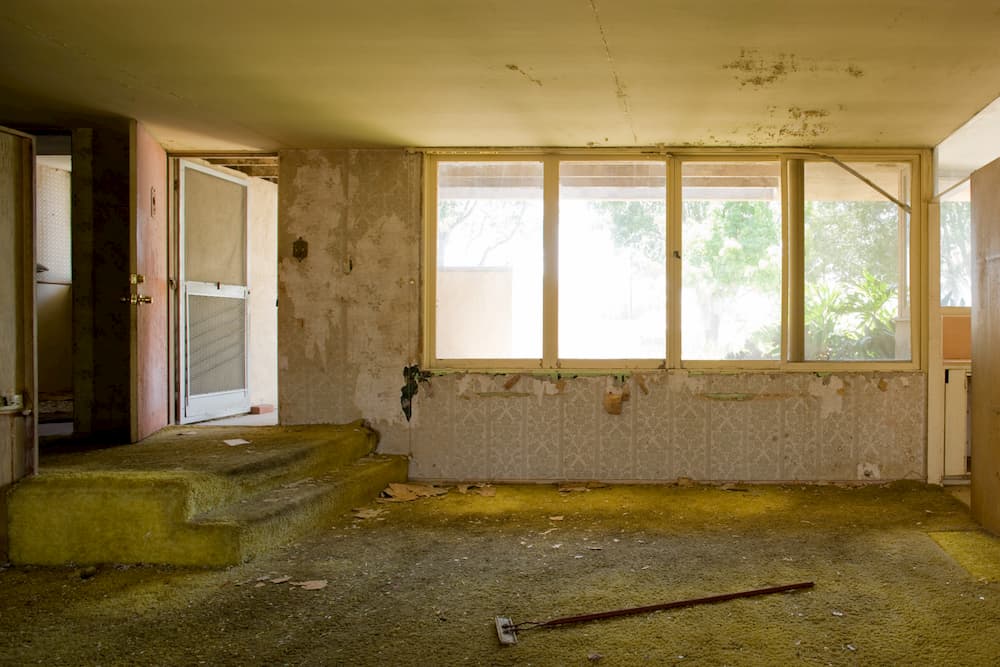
point(710, 426)
point(348, 311)
point(349, 323)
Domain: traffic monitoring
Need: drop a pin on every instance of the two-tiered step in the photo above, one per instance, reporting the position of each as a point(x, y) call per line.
point(185, 497)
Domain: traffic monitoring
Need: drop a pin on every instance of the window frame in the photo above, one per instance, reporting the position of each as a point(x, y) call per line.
point(673, 159)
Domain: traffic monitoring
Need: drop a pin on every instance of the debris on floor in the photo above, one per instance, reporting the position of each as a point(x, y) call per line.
point(311, 585)
point(577, 487)
point(401, 493)
point(366, 513)
point(235, 442)
point(480, 489)
point(729, 486)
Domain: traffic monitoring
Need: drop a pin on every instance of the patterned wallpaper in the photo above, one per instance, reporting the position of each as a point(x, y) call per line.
point(744, 426)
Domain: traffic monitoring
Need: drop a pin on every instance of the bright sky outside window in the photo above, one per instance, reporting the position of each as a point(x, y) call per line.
point(565, 261)
point(856, 263)
point(612, 260)
point(956, 247)
point(489, 260)
point(731, 229)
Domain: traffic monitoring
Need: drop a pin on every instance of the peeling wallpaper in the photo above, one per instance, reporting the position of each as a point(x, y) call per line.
point(743, 426)
point(348, 312)
point(349, 322)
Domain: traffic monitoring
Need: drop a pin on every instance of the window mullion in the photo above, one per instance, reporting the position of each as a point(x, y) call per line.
point(795, 193)
point(674, 259)
point(550, 283)
point(430, 262)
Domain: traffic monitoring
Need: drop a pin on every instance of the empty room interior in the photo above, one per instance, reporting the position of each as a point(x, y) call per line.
point(427, 333)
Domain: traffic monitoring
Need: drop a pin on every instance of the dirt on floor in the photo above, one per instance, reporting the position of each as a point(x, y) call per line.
point(421, 582)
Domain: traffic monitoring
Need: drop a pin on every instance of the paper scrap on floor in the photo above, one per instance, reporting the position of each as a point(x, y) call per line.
point(233, 442)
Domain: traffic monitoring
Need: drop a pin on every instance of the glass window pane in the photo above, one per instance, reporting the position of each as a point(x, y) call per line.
point(956, 247)
point(489, 260)
point(612, 260)
point(856, 263)
point(731, 277)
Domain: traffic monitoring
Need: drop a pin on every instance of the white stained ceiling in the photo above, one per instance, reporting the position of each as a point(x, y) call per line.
point(263, 75)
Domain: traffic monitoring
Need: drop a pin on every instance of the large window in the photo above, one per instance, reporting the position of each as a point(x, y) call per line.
point(571, 261)
point(489, 260)
point(856, 262)
point(612, 260)
point(731, 297)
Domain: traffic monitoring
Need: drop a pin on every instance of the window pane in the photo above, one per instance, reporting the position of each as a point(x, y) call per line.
point(731, 280)
point(956, 248)
point(856, 263)
point(612, 260)
point(489, 260)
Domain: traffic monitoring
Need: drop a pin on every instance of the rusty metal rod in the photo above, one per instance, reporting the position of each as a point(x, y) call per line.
point(582, 618)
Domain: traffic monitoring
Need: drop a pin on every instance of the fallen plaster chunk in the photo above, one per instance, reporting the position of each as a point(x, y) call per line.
point(401, 493)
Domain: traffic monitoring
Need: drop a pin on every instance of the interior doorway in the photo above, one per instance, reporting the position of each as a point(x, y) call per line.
point(224, 289)
point(54, 283)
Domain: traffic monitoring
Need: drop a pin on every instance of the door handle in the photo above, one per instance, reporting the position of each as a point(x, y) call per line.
point(137, 299)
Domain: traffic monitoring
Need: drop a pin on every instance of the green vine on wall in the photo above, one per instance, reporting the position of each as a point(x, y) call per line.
point(413, 376)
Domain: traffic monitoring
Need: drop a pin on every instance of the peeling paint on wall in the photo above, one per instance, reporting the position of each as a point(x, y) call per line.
point(344, 335)
point(830, 392)
point(709, 426)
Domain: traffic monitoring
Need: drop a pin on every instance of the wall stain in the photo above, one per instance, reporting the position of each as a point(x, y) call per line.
point(855, 71)
point(620, 92)
point(758, 70)
point(515, 68)
point(754, 69)
point(798, 123)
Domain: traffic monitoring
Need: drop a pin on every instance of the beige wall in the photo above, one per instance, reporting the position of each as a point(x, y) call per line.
point(262, 210)
point(345, 336)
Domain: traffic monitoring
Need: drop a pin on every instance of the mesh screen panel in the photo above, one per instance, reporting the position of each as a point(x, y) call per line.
point(53, 246)
point(217, 344)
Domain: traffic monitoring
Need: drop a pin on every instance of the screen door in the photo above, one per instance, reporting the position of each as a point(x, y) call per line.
point(213, 304)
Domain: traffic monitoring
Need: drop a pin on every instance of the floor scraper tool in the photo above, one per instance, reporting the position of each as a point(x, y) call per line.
point(507, 629)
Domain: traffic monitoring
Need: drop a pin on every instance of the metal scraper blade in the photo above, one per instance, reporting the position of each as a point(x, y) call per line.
point(506, 632)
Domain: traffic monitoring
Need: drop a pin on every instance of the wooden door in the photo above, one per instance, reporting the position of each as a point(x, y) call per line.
point(150, 402)
point(986, 346)
point(18, 400)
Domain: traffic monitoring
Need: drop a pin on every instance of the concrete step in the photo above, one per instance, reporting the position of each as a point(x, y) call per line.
point(186, 501)
point(260, 522)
